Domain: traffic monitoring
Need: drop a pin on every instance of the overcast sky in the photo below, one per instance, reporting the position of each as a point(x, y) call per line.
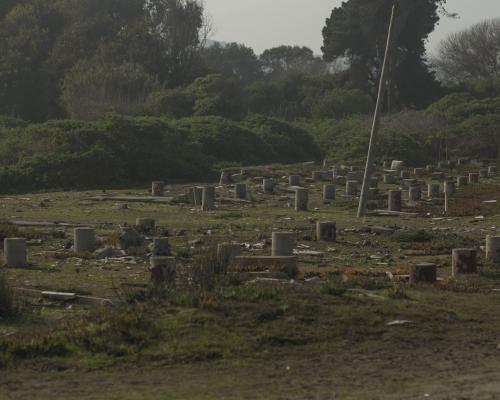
point(262, 24)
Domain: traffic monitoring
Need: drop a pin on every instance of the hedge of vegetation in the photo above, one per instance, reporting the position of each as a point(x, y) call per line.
point(121, 150)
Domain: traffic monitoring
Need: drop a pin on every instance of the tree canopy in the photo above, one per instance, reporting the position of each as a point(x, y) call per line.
point(473, 53)
point(357, 31)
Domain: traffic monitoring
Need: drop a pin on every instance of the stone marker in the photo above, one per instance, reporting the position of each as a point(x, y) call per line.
point(493, 249)
point(462, 181)
point(397, 165)
point(449, 187)
point(328, 192)
point(197, 196)
point(404, 174)
point(226, 252)
point(352, 176)
point(423, 273)
point(208, 198)
point(283, 243)
point(225, 178)
point(84, 240)
point(394, 201)
point(157, 188)
point(419, 172)
point(160, 247)
point(407, 183)
point(15, 252)
point(415, 193)
point(145, 224)
point(483, 173)
point(464, 261)
point(240, 190)
point(301, 199)
point(163, 274)
point(473, 177)
point(317, 175)
point(326, 231)
point(351, 188)
point(492, 170)
point(389, 179)
point(433, 190)
point(268, 185)
point(294, 180)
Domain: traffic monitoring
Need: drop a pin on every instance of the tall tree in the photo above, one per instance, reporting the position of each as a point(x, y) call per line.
point(232, 60)
point(281, 61)
point(472, 53)
point(357, 31)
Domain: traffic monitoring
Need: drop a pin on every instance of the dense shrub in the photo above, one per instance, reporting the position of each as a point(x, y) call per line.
point(339, 103)
point(288, 143)
point(225, 140)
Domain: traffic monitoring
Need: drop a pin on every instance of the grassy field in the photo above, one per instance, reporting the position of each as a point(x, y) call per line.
point(329, 334)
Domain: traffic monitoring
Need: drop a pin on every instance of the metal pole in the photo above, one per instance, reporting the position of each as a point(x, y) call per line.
point(376, 118)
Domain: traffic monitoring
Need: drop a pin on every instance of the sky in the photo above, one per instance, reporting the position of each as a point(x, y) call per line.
point(262, 24)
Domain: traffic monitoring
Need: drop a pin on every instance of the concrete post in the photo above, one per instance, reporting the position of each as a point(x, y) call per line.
point(419, 172)
point(328, 192)
point(397, 165)
point(268, 186)
point(415, 193)
point(352, 176)
point(301, 199)
point(404, 174)
point(351, 188)
point(423, 273)
point(84, 240)
point(449, 187)
point(326, 231)
point(493, 249)
point(473, 177)
point(240, 190)
point(15, 252)
point(463, 261)
point(283, 243)
point(433, 190)
point(226, 252)
point(294, 180)
point(394, 200)
point(492, 171)
point(208, 198)
point(389, 179)
point(317, 175)
point(197, 195)
point(157, 188)
point(160, 247)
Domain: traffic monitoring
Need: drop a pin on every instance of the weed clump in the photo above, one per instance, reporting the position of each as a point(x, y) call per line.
point(334, 288)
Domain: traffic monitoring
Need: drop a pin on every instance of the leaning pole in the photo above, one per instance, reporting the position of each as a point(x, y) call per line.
point(376, 119)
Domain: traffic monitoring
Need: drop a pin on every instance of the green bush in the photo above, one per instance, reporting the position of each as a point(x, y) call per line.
point(287, 142)
point(339, 103)
point(226, 141)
